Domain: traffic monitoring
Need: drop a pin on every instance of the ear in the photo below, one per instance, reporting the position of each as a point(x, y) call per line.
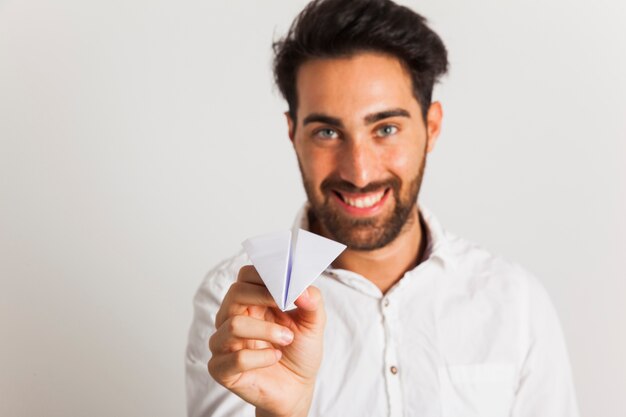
point(290, 126)
point(433, 124)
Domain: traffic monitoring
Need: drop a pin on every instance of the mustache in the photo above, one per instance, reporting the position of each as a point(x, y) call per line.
point(336, 184)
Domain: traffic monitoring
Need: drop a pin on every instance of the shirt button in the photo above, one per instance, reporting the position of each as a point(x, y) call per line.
point(386, 302)
point(393, 370)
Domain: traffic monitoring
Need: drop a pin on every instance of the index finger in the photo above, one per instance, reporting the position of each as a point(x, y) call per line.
point(249, 274)
point(241, 296)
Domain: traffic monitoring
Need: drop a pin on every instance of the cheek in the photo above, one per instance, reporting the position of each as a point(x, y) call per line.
point(315, 164)
point(403, 162)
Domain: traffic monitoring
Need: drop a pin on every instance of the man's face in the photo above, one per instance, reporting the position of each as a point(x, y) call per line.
point(361, 144)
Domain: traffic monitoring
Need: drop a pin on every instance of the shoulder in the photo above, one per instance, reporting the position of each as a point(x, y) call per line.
point(480, 279)
point(472, 269)
point(486, 294)
point(483, 278)
point(478, 268)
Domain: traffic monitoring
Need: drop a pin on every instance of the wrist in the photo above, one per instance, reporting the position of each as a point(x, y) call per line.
point(261, 413)
point(301, 413)
point(300, 409)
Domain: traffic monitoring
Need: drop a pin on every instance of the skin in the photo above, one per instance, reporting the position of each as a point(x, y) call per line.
point(271, 358)
point(360, 152)
point(268, 357)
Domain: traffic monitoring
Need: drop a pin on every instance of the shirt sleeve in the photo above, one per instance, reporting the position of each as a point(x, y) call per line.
point(205, 397)
point(546, 387)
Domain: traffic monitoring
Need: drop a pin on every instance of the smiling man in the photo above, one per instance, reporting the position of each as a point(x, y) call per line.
point(409, 320)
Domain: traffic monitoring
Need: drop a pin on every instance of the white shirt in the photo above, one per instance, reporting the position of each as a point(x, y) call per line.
point(463, 334)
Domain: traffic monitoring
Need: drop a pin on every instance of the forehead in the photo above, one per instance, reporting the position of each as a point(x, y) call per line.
point(355, 85)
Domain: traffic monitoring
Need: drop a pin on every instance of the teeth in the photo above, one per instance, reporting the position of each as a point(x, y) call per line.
point(363, 202)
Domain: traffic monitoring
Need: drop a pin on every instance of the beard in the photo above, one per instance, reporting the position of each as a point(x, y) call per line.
point(363, 234)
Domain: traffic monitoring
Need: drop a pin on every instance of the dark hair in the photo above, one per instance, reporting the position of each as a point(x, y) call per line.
point(339, 28)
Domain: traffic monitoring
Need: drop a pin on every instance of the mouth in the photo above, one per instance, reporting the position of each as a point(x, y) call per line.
point(362, 203)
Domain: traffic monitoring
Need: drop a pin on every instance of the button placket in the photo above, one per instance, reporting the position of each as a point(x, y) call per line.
point(392, 380)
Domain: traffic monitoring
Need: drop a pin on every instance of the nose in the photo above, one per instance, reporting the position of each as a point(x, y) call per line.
point(358, 163)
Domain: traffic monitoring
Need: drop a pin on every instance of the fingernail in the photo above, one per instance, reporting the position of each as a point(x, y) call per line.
point(286, 336)
point(278, 354)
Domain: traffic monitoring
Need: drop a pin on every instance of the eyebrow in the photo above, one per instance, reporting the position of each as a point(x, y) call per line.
point(369, 119)
point(386, 114)
point(322, 118)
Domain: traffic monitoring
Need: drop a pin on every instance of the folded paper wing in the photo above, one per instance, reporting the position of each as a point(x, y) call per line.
point(312, 255)
point(270, 256)
point(288, 263)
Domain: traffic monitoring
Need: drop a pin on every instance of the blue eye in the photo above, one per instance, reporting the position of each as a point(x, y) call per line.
point(386, 130)
point(326, 133)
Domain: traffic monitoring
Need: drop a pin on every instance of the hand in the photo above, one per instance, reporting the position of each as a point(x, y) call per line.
point(268, 357)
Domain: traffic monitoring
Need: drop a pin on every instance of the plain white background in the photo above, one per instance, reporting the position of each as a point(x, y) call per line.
point(142, 141)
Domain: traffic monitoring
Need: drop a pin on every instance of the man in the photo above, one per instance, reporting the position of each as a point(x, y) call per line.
point(409, 320)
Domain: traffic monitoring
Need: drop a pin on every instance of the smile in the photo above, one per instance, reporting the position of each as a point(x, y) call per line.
point(362, 203)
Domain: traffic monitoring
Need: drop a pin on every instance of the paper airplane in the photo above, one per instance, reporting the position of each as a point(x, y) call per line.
point(289, 262)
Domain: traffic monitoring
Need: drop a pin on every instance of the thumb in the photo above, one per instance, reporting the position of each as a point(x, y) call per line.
point(310, 312)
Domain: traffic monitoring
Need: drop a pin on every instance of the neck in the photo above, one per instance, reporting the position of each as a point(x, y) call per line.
point(385, 266)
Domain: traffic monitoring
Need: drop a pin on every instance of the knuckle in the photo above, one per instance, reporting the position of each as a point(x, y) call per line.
point(234, 294)
point(229, 294)
point(229, 300)
point(222, 313)
point(239, 359)
point(212, 342)
point(211, 368)
point(244, 271)
point(231, 312)
point(235, 287)
point(234, 323)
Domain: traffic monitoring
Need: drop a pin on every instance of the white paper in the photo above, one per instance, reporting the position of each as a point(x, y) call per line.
point(288, 262)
